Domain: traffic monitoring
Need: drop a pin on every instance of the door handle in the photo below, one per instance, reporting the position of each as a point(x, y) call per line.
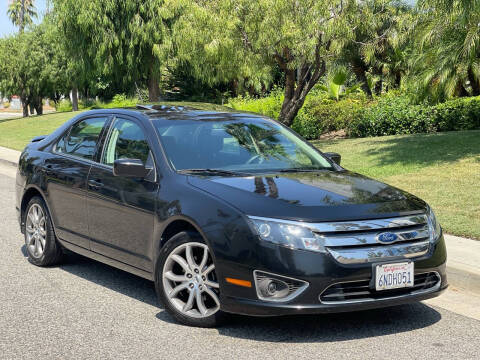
point(95, 184)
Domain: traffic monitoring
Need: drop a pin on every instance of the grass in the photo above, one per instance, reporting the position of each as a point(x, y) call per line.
point(443, 169)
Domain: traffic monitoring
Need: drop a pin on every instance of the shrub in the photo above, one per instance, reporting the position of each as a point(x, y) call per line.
point(397, 115)
point(320, 115)
point(63, 105)
point(6, 104)
point(269, 106)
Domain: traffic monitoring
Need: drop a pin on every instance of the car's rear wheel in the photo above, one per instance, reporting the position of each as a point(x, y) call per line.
point(187, 283)
point(40, 242)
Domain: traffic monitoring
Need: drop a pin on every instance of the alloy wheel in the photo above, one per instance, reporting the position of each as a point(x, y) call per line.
point(36, 231)
point(190, 282)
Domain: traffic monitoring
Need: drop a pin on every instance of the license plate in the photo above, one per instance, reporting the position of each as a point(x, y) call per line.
point(394, 276)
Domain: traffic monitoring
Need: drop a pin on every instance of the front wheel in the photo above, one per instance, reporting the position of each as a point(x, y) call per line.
point(186, 281)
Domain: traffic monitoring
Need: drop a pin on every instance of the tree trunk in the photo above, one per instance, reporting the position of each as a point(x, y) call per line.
point(295, 93)
point(473, 82)
point(75, 98)
point(360, 74)
point(39, 106)
point(31, 105)
point(25, 108)
point(153, 87)
point(22, 16)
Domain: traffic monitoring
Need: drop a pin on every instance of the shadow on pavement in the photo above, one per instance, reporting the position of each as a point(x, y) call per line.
point(294, 329)
point(112, 278)
point(332, 327)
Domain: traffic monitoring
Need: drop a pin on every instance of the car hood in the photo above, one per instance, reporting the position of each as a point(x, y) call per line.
point(311, 196)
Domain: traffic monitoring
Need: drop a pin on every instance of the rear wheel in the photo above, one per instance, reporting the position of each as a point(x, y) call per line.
point(187, 283)
point(40, 242)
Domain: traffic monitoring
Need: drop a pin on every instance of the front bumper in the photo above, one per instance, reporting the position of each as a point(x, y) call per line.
point(320, 271)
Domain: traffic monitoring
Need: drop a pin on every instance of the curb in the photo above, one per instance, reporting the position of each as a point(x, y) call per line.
point(463, 271)
point(8, 162)
point(464, 278)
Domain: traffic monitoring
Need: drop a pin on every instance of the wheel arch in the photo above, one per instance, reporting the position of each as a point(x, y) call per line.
point(28, 194)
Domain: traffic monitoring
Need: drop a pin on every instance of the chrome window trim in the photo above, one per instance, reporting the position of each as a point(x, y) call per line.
point(354, 225)
point(434, 288)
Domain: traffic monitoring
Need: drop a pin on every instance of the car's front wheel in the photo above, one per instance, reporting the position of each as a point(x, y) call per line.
point(186, 281)
point(40, 242)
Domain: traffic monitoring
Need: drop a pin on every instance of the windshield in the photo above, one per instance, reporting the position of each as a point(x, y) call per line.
point(243, 145)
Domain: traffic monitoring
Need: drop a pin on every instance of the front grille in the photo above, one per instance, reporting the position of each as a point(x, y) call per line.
point(360, 291)
point(357, 242)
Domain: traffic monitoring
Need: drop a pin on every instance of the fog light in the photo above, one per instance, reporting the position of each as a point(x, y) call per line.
point(272, 287)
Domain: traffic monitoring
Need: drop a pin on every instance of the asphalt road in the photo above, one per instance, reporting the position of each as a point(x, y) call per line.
point(84, 309)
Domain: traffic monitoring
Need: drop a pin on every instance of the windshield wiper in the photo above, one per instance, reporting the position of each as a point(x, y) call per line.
point(211, 172)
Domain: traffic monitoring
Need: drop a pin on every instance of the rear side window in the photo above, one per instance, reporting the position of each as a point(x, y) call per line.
point(82, 138)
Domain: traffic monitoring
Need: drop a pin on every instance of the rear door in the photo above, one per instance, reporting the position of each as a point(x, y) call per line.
point(66, 176)
point(121, 209)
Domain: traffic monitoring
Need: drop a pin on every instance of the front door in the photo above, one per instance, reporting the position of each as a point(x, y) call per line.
point(121, 209)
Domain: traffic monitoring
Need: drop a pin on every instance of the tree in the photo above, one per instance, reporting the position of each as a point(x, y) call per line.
point(448, 49)
point(21, 13)
point(121, 41)
point(243, 39)
point(379, 43)
point(30, 68)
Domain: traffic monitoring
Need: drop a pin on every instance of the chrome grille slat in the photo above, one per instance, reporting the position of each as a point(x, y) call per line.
point(360, 255)
point(370, 238)
point(344, 292)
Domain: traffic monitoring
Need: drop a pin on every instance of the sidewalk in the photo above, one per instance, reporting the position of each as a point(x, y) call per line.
point(463, 263)
point(9, 156)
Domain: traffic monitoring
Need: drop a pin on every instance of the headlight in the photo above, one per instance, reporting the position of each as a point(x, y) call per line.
point(433, 226)
point(292, 234)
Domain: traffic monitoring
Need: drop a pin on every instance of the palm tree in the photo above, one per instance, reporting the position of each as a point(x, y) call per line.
point(21, 13)
point(448, 46)
point(335, 84)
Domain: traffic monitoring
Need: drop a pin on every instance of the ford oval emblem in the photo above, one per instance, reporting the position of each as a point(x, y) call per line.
point(387, 237)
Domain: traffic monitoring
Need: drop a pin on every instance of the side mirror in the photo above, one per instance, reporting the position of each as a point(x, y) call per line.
point(336, 158)
point(130, 168)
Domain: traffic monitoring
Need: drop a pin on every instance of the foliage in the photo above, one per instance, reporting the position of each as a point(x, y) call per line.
point(447, 49)
point(28, 67)
point(317, 116)
point(227, 40)
point(335, 84)
point(129, 43)
point(397, 115)
point(21, 13)
point(269, 106)
point(118, 101)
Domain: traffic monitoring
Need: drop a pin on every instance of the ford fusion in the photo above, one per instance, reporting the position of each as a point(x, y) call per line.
point(227, 213)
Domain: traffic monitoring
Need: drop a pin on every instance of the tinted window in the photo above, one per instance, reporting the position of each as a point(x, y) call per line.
point(82, 139)
point(125, 141)
point(242, 144)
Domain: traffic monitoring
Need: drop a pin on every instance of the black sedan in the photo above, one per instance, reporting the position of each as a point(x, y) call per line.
point(226, 213)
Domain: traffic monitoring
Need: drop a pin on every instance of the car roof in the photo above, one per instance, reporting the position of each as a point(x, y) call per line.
point(204, 112)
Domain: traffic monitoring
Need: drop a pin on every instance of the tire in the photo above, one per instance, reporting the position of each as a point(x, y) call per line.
point(41, 244)
point(194, 304)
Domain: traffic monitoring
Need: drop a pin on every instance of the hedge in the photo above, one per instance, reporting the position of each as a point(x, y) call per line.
point(388, 115)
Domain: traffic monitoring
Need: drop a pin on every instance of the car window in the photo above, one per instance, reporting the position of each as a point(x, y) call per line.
point(82, 138)
point(126, 140)
point(242, 144)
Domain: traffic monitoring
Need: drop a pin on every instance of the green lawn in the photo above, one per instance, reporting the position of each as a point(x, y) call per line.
point(443, 169)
